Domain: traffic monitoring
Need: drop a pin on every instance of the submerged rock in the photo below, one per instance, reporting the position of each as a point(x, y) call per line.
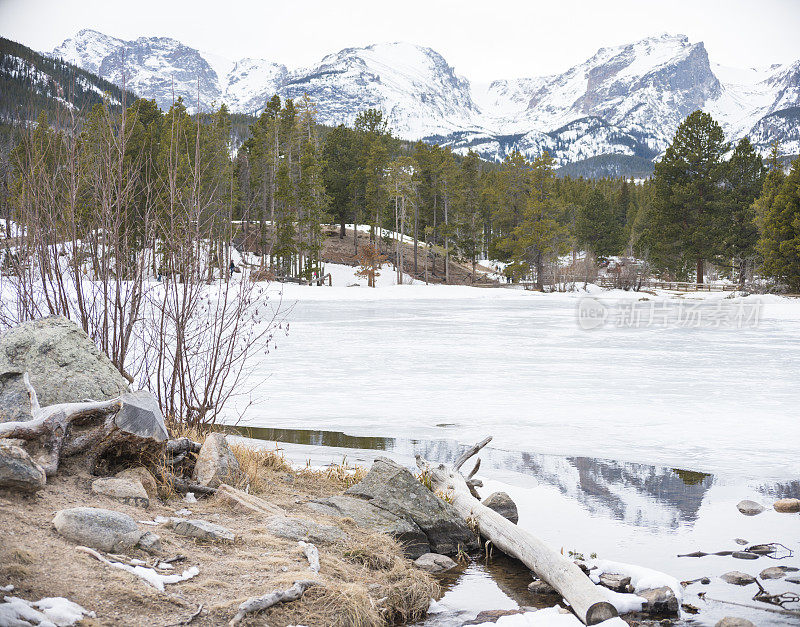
point(63, 364)
point(392, 488)
point(434, 563)
point(216, 463)
point(202, 530)
point(130, 492)
point(745, 555)
point(541, 587)
point(734, 621)
point(18, 471)
point(750, 508)
point(503, 505)
point(101, 529)
point(737, 578)
point(777, 572)
point(787, 506)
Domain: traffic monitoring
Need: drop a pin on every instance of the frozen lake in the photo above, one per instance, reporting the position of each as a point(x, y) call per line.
point(462, 363)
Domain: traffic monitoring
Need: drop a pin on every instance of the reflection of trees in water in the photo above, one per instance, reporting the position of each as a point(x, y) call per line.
point(625, 491)
point(785, 490)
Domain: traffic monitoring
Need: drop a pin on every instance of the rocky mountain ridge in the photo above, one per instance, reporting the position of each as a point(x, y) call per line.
point(624, 100)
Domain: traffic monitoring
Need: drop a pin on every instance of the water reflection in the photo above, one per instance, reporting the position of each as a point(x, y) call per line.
point(621, 490)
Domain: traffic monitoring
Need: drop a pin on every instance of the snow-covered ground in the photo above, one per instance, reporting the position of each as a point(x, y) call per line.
point(459, 362)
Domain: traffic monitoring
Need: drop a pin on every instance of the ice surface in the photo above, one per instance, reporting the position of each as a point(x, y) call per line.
point(400, 360)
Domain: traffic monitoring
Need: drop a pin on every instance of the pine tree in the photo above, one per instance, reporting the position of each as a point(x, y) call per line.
point(778, 218)
point(744, 178)
point(686, 217)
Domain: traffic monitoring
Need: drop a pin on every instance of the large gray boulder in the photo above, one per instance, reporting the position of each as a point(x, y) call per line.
point(216, 463)
point(406, 532)
point(503, 505)
point(63, 364)
point(101, 529)
point(17, 470)
point(392, 488)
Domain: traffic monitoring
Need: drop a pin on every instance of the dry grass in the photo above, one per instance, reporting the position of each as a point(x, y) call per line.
point(342, 474)
point(253, 462)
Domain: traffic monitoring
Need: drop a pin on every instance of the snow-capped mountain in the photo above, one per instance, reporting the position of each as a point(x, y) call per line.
point(624, 100)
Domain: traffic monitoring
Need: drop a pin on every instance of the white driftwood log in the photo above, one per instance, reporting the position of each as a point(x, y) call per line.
point(585, 599)
point(257, 604)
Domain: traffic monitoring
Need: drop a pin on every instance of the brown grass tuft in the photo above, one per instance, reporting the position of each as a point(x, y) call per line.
point(254, 461)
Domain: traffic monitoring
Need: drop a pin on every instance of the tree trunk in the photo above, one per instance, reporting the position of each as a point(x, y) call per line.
point(586, 600)
point(539, 272)
point(699, 270)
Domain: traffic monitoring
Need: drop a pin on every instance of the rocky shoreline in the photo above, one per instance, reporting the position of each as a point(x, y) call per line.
point(111, 519)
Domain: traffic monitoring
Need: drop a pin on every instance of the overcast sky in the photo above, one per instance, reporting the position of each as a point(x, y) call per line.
point(483, 40)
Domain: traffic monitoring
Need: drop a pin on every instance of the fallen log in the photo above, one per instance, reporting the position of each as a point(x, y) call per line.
point(257, 604)
point(585, 599)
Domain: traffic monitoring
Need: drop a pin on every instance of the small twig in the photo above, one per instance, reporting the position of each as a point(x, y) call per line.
point(188, 621)
point(756, 607)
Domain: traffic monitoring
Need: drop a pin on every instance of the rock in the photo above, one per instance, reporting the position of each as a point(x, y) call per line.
point(541, 587)
point(150, 543)
point(140, 415)
point(406, 532)
point(741, 542)
point(392, 488)
point(734, 621)
point(503, 505)
point(750, 508)
point(787, 506)
point(738, 578)
point(793, 580)
point(202, 530)
point(15, 401)
point(137, 432)
point(101, 529)
point(777, 572)
point(659, 601)
point(216, 463)
point(244, 502)
point(18, 471)
point(297, 529)
point(745, 555)
point(618, 583)
point(434, 563)
point(144, 477)
point(63, 364)
point(123, 490)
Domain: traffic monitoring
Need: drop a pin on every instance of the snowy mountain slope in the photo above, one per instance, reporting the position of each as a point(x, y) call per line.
point(414, 86)
point(626, 100)
point(31, 83)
